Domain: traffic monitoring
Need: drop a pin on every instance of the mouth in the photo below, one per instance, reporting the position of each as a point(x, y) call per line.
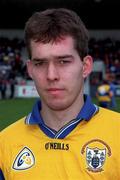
point(55, 91)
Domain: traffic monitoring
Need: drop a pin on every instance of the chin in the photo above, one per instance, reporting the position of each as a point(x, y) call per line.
point(58, 106)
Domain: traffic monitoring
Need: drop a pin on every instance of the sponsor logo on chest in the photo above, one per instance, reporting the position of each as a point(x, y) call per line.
point(56, 146)
point(24, 160)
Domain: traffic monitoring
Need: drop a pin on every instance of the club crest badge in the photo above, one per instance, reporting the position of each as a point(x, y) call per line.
point(24, 160)
point(96, 152)
point(95, 158)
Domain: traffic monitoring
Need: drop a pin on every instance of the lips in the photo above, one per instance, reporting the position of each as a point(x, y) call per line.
point(54, 90)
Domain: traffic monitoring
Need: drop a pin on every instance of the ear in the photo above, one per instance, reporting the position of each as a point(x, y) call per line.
point(87, 65)
point(29, 68)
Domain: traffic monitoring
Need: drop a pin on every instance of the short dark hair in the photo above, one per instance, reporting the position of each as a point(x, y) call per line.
point(51, 24)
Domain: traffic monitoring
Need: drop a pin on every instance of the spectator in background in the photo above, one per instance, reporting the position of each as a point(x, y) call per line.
point(111, 80)
point(3, 87)
point(12, 83)
point(3, 82)
point(104, 94)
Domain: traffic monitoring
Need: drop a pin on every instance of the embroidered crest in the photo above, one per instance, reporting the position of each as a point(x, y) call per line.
point(96, 152)
point(95, 158)
point(24, 160)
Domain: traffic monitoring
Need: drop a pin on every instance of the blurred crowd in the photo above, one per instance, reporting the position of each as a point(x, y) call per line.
point(107, 51)
point(12, 64)
point(13, 67)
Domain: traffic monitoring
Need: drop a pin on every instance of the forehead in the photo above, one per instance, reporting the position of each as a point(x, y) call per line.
point(65, 43)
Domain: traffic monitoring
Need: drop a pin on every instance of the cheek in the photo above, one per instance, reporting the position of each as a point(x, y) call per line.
point(79, 78)
point(78, 73)
point(75, 78)
point(38, 79)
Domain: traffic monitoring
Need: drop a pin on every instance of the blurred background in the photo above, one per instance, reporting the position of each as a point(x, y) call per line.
point(101, 17)
point(97, 14)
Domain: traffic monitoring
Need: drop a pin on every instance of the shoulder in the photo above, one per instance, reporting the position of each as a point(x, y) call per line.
point(109, 112)
point(109, 115)
point(13, 129)
point(106, 122)
point(9, 136)
point(16, 132)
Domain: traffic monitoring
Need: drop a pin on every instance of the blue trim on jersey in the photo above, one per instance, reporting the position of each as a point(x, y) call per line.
point(35, 117)
point(1, 175)
point(65, 130)
point(87, 111)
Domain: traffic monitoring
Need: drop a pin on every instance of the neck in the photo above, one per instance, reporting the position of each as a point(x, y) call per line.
point(57, 119)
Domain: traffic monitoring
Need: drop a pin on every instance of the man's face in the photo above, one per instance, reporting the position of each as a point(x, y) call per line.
point(58, 72)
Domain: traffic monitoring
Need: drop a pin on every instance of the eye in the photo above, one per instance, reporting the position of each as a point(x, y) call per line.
point(39, 63)
point(64, 61)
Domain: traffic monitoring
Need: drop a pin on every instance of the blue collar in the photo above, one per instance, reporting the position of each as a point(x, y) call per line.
point(87, 111)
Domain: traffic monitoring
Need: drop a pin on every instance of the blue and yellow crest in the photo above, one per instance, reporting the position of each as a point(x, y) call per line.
point(24, 160)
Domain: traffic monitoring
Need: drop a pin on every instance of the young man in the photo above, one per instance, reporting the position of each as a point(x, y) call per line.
point(65, 136)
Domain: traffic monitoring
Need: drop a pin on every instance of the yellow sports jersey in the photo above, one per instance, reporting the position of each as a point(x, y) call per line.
point(87, 148)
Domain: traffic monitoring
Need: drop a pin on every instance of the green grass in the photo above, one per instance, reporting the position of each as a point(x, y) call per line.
point(12, 110)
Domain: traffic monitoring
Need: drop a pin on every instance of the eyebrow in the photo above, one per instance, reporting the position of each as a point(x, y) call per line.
point(55, 57)
point(38, 59)
point(64, 56)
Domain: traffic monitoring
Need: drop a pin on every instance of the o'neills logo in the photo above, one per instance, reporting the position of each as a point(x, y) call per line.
point(56, 146)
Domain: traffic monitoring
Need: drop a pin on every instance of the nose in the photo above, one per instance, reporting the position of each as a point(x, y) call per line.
point(52, 72)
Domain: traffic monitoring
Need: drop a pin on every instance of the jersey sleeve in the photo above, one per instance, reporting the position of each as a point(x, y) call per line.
point(1, 173)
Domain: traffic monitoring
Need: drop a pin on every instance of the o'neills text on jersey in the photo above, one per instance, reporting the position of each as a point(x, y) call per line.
point(56, 146)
